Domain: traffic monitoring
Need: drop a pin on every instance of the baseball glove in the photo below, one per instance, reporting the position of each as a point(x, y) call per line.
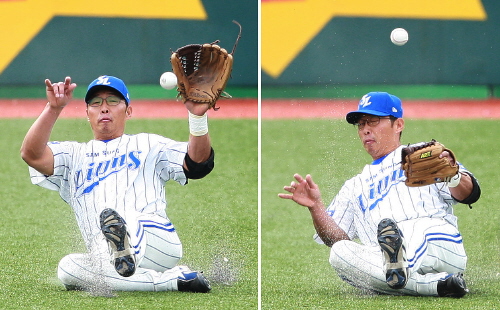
point(203, 71)
point(423, 166)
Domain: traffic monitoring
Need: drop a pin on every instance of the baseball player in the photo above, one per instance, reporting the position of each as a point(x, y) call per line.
point(409, 242)
point(115, 186)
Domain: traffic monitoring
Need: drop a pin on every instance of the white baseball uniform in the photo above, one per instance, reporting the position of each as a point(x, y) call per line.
point(127, 174)
point(424, 215)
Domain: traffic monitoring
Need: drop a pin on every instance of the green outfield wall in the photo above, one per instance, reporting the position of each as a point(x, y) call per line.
point(308, 48)
point(129, 39)
point(451, 43)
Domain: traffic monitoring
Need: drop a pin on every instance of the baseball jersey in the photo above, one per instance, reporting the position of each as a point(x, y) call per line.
point(127, 174)
point(379, 192)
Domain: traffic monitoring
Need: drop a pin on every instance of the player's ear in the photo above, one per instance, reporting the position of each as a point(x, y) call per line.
point(129, 111)
point(400, 124)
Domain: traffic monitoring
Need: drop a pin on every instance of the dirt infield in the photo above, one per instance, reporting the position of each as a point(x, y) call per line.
point(270, 109)
point(31, 108)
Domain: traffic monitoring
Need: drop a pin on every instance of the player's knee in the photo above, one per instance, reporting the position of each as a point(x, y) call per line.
point(63, 269)
point(67, 270)
point(338, 254)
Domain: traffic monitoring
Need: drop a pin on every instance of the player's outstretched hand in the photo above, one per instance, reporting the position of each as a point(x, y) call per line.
point(304, 192)
point(59, 94)
point(197, 108)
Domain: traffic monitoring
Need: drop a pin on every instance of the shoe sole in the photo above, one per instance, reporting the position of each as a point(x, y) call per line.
point(391, 243)
point(115, 231)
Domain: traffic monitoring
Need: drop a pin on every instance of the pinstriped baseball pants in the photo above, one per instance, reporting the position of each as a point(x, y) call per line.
point(434, 249)
point(158, 250)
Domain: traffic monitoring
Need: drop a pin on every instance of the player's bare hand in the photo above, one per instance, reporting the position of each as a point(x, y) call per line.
point(304, 192)
point(448, 155)
point(59, 94)
point(196, 108)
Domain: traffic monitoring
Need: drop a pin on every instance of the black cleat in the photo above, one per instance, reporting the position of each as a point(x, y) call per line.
point(193, 282)
point(453, 286)
point(115, 230)
point(391, 242)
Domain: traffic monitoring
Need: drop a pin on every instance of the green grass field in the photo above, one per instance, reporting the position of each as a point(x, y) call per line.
point(295, 270)
point(216, 217)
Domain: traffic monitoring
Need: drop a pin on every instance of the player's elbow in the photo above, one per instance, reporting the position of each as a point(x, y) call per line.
point(43, 163)
point(194, 170)
point(27, 155)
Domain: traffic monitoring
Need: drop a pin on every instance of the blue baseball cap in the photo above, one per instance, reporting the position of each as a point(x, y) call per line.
point(377, 103)
point(107, 81)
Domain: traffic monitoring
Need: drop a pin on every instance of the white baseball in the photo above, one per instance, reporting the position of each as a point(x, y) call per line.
point(168, 80)
point(399, 36)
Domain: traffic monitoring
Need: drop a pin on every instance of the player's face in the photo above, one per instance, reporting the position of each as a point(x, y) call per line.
point(379, 135)
point(108, 119)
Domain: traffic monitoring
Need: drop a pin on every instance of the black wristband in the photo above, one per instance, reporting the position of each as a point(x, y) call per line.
point(475, 194)
point(198, 170)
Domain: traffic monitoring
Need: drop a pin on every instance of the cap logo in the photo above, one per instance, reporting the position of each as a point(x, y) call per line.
point(102, 80)
point(394, 110)
point(365, 101)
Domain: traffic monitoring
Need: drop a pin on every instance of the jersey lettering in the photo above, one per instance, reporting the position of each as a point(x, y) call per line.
point(379, 189)
point(95, 172)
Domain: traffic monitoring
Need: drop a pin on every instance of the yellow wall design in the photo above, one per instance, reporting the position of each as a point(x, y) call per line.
point(22, 20)
point(288, 26)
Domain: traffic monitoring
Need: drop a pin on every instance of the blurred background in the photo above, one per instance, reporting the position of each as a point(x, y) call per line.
point(320, 48)
point(86, 39)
